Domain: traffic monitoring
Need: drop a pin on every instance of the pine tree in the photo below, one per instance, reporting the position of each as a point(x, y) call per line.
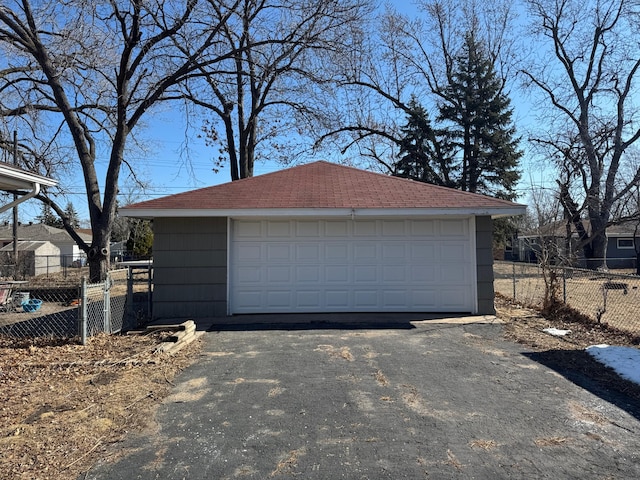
point(72, 216)
point(477, 116)
point(424, 156)
point(47, 217)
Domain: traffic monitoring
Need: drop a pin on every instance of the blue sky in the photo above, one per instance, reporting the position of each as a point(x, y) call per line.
point(168, 167)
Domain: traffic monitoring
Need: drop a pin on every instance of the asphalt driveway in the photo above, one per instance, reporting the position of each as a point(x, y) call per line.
point(422, 400)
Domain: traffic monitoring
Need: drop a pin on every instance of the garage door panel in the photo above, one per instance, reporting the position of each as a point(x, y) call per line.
point(365, 252)
point(425, 299)
point(336, 273)
point(364, 228)
point(250, 251)
point(396, 252)
point(278, 252)
point(336, 252)
point(307, 229)
point(307, 253)
point(453, 298)
point(393, 299)
point(454, 227)
point(249, 299)
point(337, 300)
point(279, 229)
point(279, 299)
point(346, 265)
point(454, 275)
point(394, 274)
point(393, 228)
point(421, 228)
point(365, 299)
point(365, 274)
point(279, 274)
point(454, 252)
point(308, 299)
point(424, 252)
point(249, 274)
point(308, 274)
point(248, 229)
point(333, 228)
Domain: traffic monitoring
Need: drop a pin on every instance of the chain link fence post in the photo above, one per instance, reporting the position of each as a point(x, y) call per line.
point(129, 314)
point(84, 300)
point(513, 270)
point(106, 304)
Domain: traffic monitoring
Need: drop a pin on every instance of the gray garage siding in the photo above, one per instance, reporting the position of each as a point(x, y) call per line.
point(190, 267)
point(484, 259)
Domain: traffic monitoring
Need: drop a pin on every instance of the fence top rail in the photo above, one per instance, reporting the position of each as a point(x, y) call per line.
point(585, 271)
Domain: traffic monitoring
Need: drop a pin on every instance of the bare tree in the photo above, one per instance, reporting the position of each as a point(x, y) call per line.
point(260, 94)
point(587, 68)
point(79, 76)
point(413, 58)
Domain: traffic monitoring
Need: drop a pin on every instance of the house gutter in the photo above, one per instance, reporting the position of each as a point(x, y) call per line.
point(35, 191)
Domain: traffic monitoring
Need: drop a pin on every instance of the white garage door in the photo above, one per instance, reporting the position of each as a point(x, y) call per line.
point(281, 266)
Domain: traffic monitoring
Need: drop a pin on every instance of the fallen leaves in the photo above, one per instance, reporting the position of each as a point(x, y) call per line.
point(63, 404)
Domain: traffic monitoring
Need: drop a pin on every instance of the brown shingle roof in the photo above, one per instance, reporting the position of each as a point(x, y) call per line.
point(323, 185)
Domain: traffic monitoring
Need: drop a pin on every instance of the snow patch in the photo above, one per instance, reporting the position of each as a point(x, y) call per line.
point(624, 360)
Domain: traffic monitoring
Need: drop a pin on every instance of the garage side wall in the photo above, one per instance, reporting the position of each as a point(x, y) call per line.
point(484, 257)
point(190, 267)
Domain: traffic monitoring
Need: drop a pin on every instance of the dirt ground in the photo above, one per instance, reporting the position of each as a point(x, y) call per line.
point(62, 405)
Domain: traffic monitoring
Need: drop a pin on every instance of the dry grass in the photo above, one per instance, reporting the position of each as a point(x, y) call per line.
point(62, 405)
point(483, 444)
point(381, 378)
point(550, 441)
point(288, 464)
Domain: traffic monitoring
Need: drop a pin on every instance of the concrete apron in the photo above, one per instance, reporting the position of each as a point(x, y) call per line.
point(334, 320)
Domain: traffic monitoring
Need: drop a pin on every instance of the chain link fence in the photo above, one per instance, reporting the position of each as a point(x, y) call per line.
point(71, 311)
point(605, 297)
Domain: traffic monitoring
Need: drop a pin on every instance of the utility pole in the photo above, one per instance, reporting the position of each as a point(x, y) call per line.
point(15, 210)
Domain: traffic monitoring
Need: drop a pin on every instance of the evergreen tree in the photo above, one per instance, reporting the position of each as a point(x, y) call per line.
point(140, 241)
point(47, 217)
point(72, 216)
point(424, 156)
point(478, 123)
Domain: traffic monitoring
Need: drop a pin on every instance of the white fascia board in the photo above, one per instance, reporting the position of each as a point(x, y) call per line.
point(321, 212)
point(23, 179)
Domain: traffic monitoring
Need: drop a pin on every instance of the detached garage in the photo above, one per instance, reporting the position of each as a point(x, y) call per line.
point(322, 238)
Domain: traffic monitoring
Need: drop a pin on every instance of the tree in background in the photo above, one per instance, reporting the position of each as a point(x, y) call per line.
point(411, 58)
point(258, 94)
point(423, 154)
point(586, 65)
point(47, 217)
point(71, 216)
point(477, 122)
point(78, 77)
point(474, 148)
point(140, 241)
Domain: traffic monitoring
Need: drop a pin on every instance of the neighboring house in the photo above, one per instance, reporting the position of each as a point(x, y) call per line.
point(69, 252)
point(34, 258)
point(620, 251)
point(322, 237)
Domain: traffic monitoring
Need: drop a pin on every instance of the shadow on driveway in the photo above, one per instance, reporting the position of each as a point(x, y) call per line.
point(583, 370)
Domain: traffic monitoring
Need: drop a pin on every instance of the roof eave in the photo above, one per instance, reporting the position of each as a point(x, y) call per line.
point(494, 212)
